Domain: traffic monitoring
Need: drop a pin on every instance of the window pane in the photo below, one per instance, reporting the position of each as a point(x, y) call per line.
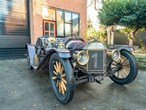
point(60, 23)
point(46, 26)
point(67, 29)
point(48, 13)
point(68, 17)
point(51, 26)
point(46, 33)
point(52, 34)
point(75, 22)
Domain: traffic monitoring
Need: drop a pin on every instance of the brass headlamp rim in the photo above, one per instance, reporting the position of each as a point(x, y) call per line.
point(111, 53)
point(78, 53)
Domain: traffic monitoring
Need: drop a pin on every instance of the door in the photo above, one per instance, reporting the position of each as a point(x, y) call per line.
point(14, 24)
point(49, 28)
point(14, 28)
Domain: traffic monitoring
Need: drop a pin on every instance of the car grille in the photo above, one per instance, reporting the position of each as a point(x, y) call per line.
point(97, 60)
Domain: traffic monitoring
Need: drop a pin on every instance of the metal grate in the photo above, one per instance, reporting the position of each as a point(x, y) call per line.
point(14, 23)
point(96, 61)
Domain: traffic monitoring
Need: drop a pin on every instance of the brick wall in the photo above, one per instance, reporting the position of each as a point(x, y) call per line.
point(78, 6)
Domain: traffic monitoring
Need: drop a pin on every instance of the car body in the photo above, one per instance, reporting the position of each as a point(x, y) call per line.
point(71, 61)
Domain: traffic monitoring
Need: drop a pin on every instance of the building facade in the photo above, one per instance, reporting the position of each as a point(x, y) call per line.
point(58, 18)
point(23, 21)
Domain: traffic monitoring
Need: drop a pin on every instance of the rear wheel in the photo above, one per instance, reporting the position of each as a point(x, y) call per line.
point(62, 78)
point(127, 68)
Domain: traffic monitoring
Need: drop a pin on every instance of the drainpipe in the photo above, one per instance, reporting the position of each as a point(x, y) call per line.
point(112, 35)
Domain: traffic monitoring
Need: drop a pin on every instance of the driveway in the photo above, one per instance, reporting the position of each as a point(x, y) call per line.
point(23, 89)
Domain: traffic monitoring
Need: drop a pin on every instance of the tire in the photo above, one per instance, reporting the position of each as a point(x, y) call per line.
point(133, 69)
point(28, 61)
point(58, 78)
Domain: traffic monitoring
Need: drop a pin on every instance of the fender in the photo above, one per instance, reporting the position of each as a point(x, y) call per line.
point(31, 51)
point(121, 47)
point(63, 53)
point(127, 48)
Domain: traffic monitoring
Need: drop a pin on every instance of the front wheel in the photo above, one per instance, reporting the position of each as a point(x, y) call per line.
point(62, 78)
point(127, 68)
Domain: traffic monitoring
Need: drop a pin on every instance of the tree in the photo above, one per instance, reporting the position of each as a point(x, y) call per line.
point(128, 13)
point(94, 34)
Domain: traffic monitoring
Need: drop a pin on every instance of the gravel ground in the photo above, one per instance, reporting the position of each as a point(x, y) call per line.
point(23, 89)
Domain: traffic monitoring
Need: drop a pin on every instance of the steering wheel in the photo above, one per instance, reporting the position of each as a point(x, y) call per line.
point(72, 35)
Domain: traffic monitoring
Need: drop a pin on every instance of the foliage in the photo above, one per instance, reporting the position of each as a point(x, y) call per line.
point(99, 35)
point(128, 13)
point(94, 34)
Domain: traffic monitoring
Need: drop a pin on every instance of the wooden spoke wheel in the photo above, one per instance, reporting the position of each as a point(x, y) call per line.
point(126, 69)
point(62, 78)
point(59, 77)
point(123, 68)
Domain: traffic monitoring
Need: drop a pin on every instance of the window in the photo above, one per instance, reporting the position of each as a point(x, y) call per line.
point(67, 23)
point(49, 28)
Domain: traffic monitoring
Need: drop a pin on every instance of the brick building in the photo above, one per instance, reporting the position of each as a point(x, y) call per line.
point(24, 21)
point(63, 16)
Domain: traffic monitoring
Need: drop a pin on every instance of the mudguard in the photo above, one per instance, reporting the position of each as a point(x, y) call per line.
point(63, 53)
point(125, 47)
point(121, 47)
point(31, 52)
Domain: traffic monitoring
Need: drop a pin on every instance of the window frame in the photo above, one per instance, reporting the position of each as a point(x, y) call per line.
point(63, 13)
point(57, 9)
point(44, 20)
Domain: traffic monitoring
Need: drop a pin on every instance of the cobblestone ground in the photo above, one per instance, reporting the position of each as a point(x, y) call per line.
point(22, 89)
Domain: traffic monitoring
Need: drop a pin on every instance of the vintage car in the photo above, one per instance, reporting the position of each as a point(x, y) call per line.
point(71, 61)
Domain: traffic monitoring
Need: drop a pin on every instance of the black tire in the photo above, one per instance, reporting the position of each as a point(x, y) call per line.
point(133, 69)
point(28, 61)
point(69, 77)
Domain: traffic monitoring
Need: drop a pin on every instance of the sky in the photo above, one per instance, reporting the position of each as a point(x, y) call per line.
point(93, 14)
